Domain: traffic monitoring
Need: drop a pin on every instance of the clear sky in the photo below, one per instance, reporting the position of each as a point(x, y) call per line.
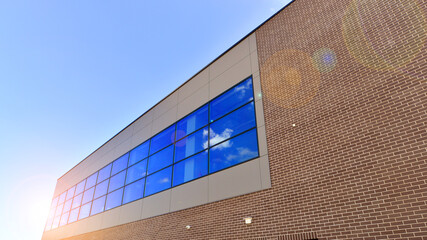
point(75, 73)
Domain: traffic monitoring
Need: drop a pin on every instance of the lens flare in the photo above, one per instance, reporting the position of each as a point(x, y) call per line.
point(324, 60)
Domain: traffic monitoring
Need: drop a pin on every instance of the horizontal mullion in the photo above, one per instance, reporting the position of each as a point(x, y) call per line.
point(216, 144)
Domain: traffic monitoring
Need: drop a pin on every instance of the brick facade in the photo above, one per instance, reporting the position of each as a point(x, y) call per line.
point(351, 77)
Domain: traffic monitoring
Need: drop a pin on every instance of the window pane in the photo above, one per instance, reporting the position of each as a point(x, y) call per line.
point(101, 189)
point(160, 160)
point(48, 224)
point(73, 215)
point(59, 210)
point(117, 181)
point(77, 200)
point(98, 205)
point(139, 153)
point(70, 193)
point(90, 181)
point(192, 144)
point(88, 195)
point(163, 139)
point(80, 187)
point(56, 222)
point(64, 219)
point(52, 213)
point(67, 205)
point(85, 210)
point(191, 168)
point(104, 173)
point(62, 198)
point(232, 124)
point(54, 202)
point(233, 151)
point(134, 191)
point(137, 171)
point(114, 199)
point(231, 99)
point(192, 122)
point(158, 181)
point(120, 164)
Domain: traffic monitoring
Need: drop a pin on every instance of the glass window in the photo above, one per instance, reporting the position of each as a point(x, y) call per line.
point(233, 151)
point(64, 219)
point(90, 181)
point(192, 144)
point(80, 187)
point(73, 215)
point(158, 181)
point(48, 224)
point(62, 197)
point(139, 153)
point(55, 223)
point(59, 210)
point(192, 122)
point(98, 205)
point(88, 195)
point(77, 200)
point(160, 160)
point(163, 139)
point(137, 171)
point(51, 213)
point(191, 168)
point(85, 210)
point(101, 189)
point(231, 99)
point(54, 202)
point(114, 199)
point(117, 181)
point(104, 173)
point(120, 164)
point(67, 205)
point(134, 191)
point(234, 123)
point(70, 193)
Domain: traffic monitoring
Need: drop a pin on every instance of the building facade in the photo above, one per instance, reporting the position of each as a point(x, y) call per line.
point(313, 126)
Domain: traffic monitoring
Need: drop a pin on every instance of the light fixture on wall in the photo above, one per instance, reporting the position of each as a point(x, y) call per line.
point(187, 227)
point(248, 220)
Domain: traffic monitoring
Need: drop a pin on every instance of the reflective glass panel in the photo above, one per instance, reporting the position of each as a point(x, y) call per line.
point(51, 213)
point(234, 123)
point(64, 219)
point(233, 151)
point(55, 223)
point(137, 171)
point(90, 181)
point(62, 197)
point(67, 205)
point(117, 181)
point(77, 200)
point(104, 173)
point(59, 210)
point(54, 202)
point(114, 199)
point(88, 195)
point(98, 205)
point(85, 210)
point(192, 122)
point(160, 160)
point(158, 181)
point(48, 224)
point(70, 193)
point(139, 153)
point(134, 191)
point(191, 168)
point(191, 144)
point(101, 189)
point(80, 187)
point(232, 99)
point(120, 164)
point(163, 139)
point(73, 215)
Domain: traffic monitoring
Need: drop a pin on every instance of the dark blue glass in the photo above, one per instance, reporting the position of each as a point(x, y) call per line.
point(70, 193)
point(234, 123)
point(120, 164)
point(77, 201)
point(104, 173)
point(117, 181)
point(67, 205)
point(64, 219)
point(191, 144)
point(191, 168)
point(101, 189)
point(88, 195)
point(158, 181)
point(163, 139)
point(62, 197)
point(233, 151)
point(137, 171)
point(139, 153)
point(80, 187)
point(91, 181)
point(114, 199)
point(192, 122)
point(98, 205)
point(134, 191)
point(73, 215)
point(160, 160)
point(85, 210)
point(232, 99)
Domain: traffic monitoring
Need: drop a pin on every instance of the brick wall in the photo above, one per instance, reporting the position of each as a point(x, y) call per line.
point(344, 91)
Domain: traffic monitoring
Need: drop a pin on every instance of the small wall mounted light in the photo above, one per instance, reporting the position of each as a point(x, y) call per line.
point(187, 227)
point(293, 124)
point(248, 220)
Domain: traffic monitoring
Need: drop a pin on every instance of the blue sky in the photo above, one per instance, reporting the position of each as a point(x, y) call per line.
point(74, 73)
